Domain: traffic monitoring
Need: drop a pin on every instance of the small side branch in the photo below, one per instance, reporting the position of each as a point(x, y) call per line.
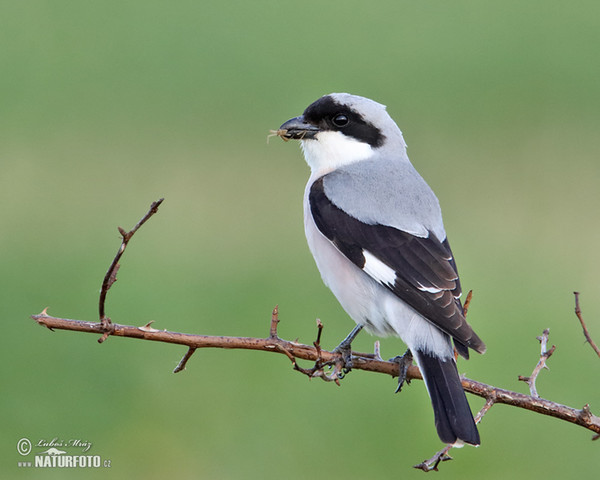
point(183, 362)
point(111, 275)
point(274, 322)
point(586, 334)
point(545, 355)
point(433, 463)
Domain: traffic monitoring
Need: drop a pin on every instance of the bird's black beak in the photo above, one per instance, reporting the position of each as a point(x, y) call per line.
point(297, 129)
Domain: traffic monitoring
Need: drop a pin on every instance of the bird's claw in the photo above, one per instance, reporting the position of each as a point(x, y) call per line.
point(345, 348)
point(403, 361)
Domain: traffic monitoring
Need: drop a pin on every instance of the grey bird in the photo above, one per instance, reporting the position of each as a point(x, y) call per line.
point(376, 233)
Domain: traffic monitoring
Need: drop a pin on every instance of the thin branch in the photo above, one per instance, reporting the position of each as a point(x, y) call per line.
point(432, 464)
point(587, 335)
point(361, 361)
point(111, 274)
point(544, 355)
point(442, 455)
point(183, 362)
point(318, 369)
point(274, 322)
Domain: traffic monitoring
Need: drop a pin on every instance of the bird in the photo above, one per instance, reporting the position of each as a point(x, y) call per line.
point(375, 230)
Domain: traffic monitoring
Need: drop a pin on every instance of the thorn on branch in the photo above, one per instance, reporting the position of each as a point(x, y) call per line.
point(148, 327)
point(39, 318)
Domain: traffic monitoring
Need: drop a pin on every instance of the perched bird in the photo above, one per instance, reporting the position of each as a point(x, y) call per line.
point(375, 230)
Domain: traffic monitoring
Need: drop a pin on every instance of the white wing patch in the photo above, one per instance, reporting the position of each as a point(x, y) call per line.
point(378, 270)
point(423, 288)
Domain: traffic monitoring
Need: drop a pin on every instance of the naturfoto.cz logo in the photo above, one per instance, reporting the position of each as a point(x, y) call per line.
point(58, 453)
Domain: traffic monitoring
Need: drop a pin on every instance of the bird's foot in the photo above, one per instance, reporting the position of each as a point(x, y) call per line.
point(345, 348)
point(403, 361)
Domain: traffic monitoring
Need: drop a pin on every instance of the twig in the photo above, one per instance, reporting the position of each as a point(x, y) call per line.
point(587, 335)
point(489, 403)
point(274, 322)
point(294, 350)
point(467, 303)
point(111, 274)
point(432, 464)
point(183, 362)
point(544, 355)
point(318, 369)
point(442, 455)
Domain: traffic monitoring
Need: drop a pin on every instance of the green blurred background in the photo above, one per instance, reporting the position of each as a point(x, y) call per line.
point(107, 106)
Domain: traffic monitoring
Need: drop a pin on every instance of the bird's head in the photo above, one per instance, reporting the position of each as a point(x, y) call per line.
point(340, 129)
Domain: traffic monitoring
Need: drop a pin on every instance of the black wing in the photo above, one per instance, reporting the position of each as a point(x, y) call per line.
point(422, 270)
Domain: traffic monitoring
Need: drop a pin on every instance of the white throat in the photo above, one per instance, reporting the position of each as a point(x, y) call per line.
point(331, 150)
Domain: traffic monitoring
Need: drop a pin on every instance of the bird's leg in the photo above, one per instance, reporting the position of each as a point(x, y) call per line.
point(403, 361)
point(345, 348)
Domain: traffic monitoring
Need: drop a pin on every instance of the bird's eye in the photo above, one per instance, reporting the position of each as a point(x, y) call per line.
point(340, 120)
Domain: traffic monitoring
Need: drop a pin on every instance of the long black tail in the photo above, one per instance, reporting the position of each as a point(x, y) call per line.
point(453, 417)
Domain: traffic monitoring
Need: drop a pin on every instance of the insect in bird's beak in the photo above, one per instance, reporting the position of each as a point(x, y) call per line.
point(278, 133)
